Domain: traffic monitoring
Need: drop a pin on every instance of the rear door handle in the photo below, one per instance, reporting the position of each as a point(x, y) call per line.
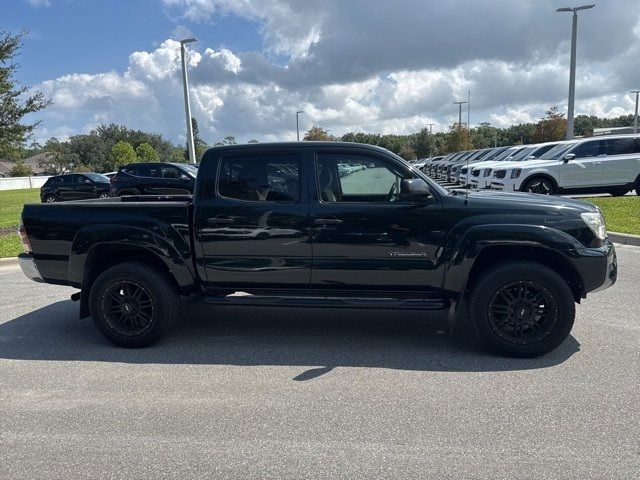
point(327, 221)
point(220, 220)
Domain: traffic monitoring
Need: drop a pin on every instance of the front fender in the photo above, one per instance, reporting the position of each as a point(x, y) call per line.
point(171, 250)
point(464, 250)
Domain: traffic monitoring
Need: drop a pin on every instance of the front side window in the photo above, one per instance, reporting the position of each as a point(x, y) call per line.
point(152, 171)
point(130, 170)
point(260, 178)
point(587, 149)
point(557, 152)
point(169, 171)
point(358, 178)
point(622, 146)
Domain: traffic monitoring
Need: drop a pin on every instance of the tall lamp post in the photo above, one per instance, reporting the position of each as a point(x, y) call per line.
point(430, 125)
point(298, 124)
point(460, 103)
point(572, 70)
point(635, 115)
point(187, 106)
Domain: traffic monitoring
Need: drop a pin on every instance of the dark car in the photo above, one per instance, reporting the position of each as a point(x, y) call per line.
point(74, 186)
point(158, 178)
point(280, 223)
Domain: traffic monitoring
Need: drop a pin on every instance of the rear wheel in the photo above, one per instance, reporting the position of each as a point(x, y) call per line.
point(103, 195)
point(50, 199)
point(540, 185)
point(522, 309)
point(132, 304)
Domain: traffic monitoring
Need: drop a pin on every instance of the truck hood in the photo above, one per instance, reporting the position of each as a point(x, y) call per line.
point(527, 201)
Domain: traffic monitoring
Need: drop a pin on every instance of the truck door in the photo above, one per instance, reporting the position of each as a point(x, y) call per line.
point(252, 220)
point(363, 235)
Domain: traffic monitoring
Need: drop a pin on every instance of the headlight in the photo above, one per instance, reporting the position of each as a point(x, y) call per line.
point(595, 221)
point(487, 172)
point(515, 173)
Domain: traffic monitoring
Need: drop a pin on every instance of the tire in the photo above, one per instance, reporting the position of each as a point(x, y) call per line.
point(132, 304)
point(540, 185)
point(522, 327)
point(103, 195)
point(638, 186)
point(50, 199)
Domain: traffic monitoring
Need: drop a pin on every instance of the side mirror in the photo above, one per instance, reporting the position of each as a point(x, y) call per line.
point(414, 190)
point(531, 157)
point(87, 181)
point(184, 177)
point(569, 156)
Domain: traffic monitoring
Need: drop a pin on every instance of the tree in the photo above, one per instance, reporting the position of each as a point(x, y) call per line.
point(20, 169)
point(146, 153)
point(122, 153)
point(59, 158)
point(200, 145)
point(458, 139)
point(15, 102)
point(552, 128)
point(407, 153)
point(317, 133)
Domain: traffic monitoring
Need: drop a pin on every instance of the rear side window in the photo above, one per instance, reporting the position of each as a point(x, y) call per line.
point(622, 146)
point(260, 178)
point(55, 181)
point(587, 149)
point(130, 170)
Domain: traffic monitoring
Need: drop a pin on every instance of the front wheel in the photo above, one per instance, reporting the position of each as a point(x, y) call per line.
point(50, 199)
point(132, 304)
point(521, 309)
point(103, 195)
point(539, 185)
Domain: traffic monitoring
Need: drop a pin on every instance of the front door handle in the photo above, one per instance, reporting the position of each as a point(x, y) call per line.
point(220, 220)
point(327, 221)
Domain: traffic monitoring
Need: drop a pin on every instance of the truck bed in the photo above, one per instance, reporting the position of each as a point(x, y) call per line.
point(59, 231)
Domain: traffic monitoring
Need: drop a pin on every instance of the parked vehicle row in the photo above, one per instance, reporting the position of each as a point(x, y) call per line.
point(586, 165)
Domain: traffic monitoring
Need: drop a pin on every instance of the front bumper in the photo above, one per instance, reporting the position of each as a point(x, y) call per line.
point(598, 266)
point(29, 268)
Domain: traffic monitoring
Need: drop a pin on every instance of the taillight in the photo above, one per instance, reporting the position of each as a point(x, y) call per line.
point(24, 238)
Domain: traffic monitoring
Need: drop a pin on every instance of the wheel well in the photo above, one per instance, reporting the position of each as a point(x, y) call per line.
point(539, 175)
point(494, 255)
point(106, 256)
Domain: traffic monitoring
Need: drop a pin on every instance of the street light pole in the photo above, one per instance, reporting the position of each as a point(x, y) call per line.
point(635, 115)
point(572, 68)
point(459, 112)
point(298, 124)
point(430, 125)
point(187, 106)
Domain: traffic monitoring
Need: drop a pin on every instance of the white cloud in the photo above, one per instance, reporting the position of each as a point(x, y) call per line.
point(39, 3)
point(387, 67)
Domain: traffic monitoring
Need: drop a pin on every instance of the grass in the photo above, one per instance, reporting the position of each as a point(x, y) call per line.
point(11, 202)
point(622, 214)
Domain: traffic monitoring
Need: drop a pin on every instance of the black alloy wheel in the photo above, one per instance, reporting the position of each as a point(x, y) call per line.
point(522, 312)
point(128, 308)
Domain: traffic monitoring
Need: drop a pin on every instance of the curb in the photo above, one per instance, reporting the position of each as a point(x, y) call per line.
point(625, 238)
point(9, 262)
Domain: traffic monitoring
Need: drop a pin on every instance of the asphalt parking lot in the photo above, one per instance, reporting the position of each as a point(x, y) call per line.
point(287, 393)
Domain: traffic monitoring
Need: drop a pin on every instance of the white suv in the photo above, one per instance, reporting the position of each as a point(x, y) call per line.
point(592, 165)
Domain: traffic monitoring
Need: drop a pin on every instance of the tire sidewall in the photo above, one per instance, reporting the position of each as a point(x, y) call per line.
point(514, 271)
point(158, 288)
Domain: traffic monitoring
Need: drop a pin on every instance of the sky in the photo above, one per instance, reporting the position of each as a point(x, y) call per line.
point(379, 66)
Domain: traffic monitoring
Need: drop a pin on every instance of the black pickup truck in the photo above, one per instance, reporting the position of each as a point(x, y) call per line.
point(324, 224)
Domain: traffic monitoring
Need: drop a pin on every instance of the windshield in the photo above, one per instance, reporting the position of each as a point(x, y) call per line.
point(507, 153)
point(96, 177)
point(523, 154)
point(191, 170)
point(557, 151)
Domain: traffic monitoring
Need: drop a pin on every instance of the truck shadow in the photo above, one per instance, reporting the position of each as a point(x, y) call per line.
point(317, 340)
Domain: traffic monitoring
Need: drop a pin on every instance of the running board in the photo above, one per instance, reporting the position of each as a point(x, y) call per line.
point(330, 302)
